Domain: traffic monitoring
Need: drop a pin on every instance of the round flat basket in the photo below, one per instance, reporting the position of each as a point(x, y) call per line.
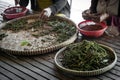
point(30, 35)
point(59, 57)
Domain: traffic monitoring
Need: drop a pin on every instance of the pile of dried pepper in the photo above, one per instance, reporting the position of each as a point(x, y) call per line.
point(85, 56)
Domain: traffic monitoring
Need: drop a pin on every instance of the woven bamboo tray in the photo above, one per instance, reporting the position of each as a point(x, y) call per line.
point(58, 62)
point(42, 50)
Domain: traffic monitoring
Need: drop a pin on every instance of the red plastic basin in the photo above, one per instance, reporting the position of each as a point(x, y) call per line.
point(14, 12)
point(91, 32)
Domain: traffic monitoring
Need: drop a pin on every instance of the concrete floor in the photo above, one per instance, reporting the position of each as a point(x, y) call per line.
point(77, 7)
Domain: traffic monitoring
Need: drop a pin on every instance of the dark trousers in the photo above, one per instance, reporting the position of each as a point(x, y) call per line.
point(34, 4)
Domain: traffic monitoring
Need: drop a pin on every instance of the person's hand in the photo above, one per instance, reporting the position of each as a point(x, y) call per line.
point(99, 17)
point(43, 15)
point(46, 13)
point(104, 17)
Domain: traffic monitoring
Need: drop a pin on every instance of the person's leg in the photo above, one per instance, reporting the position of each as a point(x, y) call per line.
point(34, 5)
point(108, 21)
point(116, 22)
point(114, 28)
point(93, 6)
point(24, 3)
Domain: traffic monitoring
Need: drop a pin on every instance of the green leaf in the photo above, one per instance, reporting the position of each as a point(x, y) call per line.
point(25, 43)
